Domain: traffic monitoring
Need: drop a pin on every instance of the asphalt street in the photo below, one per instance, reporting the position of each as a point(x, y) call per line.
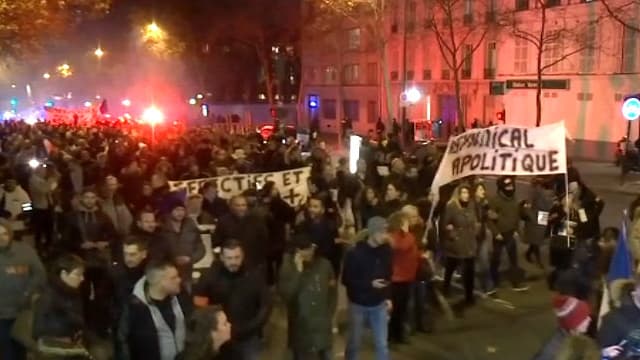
point(512, 327)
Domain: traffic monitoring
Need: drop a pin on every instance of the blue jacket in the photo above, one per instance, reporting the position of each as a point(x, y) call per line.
point(363, 264)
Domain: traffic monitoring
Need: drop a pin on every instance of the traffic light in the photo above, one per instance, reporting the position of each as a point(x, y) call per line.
point(501, 116)
point(14, 102)
point(205, 110)
point(274, 113)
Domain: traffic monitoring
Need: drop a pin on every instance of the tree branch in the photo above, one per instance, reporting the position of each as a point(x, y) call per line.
point(561, 59)
point(615, 16)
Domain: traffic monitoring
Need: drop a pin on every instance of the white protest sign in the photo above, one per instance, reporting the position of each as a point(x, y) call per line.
point(504, 150)
point(292, 184)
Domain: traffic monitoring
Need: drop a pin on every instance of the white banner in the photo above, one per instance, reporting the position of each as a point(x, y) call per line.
point(292, 184)
point(504, 150)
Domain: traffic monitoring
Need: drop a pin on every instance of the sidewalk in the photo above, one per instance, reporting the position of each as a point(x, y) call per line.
point(606, 177)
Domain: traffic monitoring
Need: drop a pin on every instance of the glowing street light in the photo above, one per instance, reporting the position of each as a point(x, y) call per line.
point(46, 76)
point(64, 70)
point(99, 53)
point(153, 116)
point(153, 32)
point(126, 102)
point(193, 101)
point(87, 104)
point(412, 95)
point(199, 96)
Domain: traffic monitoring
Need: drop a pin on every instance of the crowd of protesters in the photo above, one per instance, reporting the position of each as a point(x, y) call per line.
point(112, 273)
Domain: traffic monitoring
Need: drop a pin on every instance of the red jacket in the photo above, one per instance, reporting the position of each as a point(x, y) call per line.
point(406, 256)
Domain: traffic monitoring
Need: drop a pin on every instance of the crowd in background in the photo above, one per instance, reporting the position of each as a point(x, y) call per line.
point(114, 267)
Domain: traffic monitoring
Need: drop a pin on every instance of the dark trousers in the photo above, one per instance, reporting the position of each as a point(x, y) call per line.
point(42, 220)
point(508, 244)
point(274, 262)
point(468, 275)
point(9, 349)
point(400, 295)
point(95, 290)
point(312, 355)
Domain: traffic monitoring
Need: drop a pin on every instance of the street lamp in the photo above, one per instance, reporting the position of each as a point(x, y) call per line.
point(126, 102)
point(46, 76)
point(99, 53)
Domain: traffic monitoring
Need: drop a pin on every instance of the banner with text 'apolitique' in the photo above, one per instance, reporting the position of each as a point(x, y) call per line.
point(504, 150)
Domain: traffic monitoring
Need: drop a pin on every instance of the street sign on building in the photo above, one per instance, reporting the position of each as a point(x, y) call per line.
point(549, 84)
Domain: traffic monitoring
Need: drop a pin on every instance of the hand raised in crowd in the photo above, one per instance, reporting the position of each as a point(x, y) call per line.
point(101, 245)
point(389, 305)
point(499, 237)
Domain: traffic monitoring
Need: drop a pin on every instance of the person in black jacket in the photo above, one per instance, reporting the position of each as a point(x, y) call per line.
point(125, 275)
point(280, 217)
point(242, 293)
point(57, 320)
point(146, 229)
point(209, 335)
point(212, 204)
point(88, 232)
point(249, 229)
point(367, 276)
point(153, 323)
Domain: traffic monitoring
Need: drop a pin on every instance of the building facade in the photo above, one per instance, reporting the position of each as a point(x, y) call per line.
point(589, 64)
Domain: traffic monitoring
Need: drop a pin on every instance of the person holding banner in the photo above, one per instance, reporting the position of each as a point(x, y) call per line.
point(461, 226)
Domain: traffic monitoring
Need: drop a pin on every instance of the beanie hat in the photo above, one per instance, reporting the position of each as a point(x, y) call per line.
point(377, 224)
point(571, 312)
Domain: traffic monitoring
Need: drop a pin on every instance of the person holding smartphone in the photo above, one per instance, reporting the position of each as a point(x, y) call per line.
point(367, 276)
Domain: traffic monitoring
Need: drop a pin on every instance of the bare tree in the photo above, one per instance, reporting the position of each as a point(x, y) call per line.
point(623, 12)
point(569, 37)
point(458, 37)
point(369, 15)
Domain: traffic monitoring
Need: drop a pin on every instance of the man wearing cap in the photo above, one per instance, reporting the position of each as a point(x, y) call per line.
point(307, 284)
point(182, 236)
point(366, 276)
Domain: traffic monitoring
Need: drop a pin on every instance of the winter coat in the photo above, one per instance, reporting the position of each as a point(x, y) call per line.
point(552, 346)
point(311, 298)
point(90, 225)
point(541, 201)
point(21, 275)
point(186, 242)
point(158, 247)
point(58, 313)
point(406, 256)
point(116, 209)
point(363, 264)
point(461, 242)
point(137, 336)
point(578, 347)
point(243, 295)
point(618, 323)
point(250, 230)
point(509, 214)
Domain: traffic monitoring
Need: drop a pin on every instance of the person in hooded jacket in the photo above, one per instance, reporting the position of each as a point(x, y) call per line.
point(182, 236)
point(88, 232)
point(505, 213)
point(461, 226)
point(58, 324)
point(22, 275)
